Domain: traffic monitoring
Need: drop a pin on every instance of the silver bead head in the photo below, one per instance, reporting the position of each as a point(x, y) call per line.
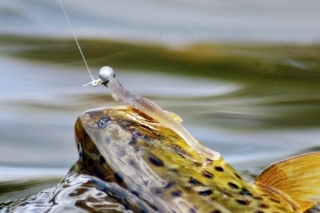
point(105, 73)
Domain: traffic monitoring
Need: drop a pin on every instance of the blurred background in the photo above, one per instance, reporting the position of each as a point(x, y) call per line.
point(244, 76)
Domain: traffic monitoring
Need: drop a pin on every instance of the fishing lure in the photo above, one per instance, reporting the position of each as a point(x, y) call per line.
point(144, 105)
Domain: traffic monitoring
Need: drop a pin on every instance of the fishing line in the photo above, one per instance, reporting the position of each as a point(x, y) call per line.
point(75, 38)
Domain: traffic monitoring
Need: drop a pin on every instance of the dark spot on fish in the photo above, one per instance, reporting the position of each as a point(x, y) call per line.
point(206, 192)
point(245, 191)
point(259, 211)
point(103, 122)
point(132, 162)
point(72, 194)
point(264, 206)
point(99, 194)
point(80, 154)
point(90, 162)
point(207, 174)
point(216, 211)
point(157, 191)
point(107, 140)
point(102, 160)
point(274, 200)
point(219, 168)
point(137, 148)
point(193, 210)
point(169, 185)
point(258, 198)
point(118, 178)
point(233, 186)
point(238, 176)
point(243, 202)
point(133, 141)
point(194, 182)
point(176, 193)
point(135, 193)
point(155, 161)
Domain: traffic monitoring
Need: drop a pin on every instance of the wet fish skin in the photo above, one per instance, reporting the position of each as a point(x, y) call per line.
point(125, 146)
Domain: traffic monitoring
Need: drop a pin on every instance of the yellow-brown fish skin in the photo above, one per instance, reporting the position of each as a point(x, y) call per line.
point(125, 146)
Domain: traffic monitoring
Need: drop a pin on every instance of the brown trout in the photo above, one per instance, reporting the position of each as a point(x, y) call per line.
point(145, 151)
point(153, 163)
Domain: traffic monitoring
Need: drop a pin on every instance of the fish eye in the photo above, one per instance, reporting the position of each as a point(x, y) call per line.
point(103, 122)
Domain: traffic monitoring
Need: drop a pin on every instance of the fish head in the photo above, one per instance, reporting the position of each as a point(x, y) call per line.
point(122, 139)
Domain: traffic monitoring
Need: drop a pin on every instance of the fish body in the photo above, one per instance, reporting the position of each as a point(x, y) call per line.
point(153, 164)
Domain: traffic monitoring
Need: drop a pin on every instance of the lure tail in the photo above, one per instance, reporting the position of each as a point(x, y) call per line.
point(295, 180)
